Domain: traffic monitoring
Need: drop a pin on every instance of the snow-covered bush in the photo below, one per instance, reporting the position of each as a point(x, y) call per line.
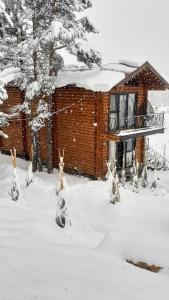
point(29, 176)
point(15, 191)
point(61, 209)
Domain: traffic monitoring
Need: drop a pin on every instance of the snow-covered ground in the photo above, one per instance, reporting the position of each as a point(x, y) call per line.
point(87, 260)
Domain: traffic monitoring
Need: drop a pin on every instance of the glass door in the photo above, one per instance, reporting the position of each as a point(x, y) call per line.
point(131, 105)
point(122, 111)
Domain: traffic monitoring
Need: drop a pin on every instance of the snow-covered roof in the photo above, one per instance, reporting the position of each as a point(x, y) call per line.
point(9, 74)
point(95, 80)
point(110, 75)
point(98, 80)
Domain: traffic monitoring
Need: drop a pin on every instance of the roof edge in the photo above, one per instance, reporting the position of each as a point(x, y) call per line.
point(138, 70)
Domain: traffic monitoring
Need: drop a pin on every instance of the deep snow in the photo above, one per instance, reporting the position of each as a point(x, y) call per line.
point(87, 260)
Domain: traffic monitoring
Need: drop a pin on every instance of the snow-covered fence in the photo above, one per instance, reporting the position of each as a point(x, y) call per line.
point(152, 155)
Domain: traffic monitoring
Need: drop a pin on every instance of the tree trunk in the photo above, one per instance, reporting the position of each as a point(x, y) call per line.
point(50, 139)
point(49, 127)
point(36, 160)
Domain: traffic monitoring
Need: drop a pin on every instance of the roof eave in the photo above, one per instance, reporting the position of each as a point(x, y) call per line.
point(137, 71)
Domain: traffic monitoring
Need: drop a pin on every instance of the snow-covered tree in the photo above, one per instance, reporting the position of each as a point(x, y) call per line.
point(58, 25)
point(33, 42)
point(5, 23)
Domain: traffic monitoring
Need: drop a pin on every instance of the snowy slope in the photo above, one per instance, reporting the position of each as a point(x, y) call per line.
point(87, 260)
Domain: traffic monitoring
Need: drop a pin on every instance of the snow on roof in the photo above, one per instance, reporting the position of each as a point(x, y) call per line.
point(9, 74)
point(129, 63)
point(98, 80)
point(118, 67)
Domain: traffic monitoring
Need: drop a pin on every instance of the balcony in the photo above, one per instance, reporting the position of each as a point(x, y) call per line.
point(135, 126)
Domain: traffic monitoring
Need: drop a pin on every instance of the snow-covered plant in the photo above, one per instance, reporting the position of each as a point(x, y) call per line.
point(15, 191)
point(136, 177)
point(61, 209)
point(29, 176)
point(109, 173)
point(164, 164)
point(115, 196)
point(155, 178)
point(123, 173)
point(113, 181)
point(144, 177)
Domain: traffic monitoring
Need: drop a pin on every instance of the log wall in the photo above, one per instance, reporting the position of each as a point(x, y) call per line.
point(80, 124)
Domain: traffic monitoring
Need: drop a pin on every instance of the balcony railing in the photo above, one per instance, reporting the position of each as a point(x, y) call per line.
point(151, 121)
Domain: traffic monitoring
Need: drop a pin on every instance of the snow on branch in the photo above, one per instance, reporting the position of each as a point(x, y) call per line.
point(4, 13)
point(3, 94)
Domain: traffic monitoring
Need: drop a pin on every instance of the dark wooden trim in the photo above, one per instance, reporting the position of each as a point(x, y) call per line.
point(133, 74)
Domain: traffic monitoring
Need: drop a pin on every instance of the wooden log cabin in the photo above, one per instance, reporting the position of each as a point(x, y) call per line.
point(98, 115)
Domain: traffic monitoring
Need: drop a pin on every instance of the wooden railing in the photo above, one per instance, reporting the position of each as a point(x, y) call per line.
point(137, 122)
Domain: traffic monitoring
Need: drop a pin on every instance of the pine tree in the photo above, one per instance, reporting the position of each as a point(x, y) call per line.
point(57, 26)
point(33, 43)
point(5, 24)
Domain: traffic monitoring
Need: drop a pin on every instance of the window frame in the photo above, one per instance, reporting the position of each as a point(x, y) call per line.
point(117, 103)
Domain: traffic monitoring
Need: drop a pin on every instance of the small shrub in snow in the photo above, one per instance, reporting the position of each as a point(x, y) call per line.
point(154, 178)
point(115, 191)
point(123, 173)
point(61, 210)
point(108, 174)
point(144, 177)
point(15, 191)
point(29, 176)
point(135, 177)
point(115, 194)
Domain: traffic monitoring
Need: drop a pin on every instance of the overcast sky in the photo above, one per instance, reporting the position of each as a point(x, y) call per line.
point(136, 30)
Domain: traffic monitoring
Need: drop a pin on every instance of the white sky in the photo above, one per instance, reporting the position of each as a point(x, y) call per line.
point(136, 30)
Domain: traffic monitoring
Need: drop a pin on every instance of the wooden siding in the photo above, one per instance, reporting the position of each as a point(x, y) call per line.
point(80, 126)
point(74, 128)
point(15, 129)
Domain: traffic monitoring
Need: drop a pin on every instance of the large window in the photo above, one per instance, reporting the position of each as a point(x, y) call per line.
point(122, 111)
